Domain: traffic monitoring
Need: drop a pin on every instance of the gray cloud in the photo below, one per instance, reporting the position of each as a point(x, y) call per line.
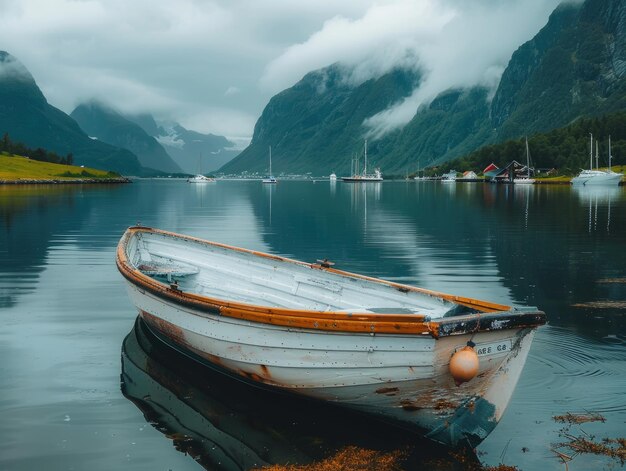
point(175, 59)
point(12, 68)
point(452, 43)
point(213, 65)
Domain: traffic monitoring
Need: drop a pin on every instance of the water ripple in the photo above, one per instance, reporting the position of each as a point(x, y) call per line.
point(563, 362)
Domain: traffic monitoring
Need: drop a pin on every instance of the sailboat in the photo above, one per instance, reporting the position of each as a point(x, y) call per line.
point(417, 175)
point(270, 178)
point(597, 176)
point(363, 177)
point(525, 180)
point(199, 178)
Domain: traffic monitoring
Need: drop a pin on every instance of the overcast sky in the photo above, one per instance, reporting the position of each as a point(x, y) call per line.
point(213, 65)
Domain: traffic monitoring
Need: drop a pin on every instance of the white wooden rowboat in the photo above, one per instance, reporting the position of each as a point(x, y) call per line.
point(390, 350)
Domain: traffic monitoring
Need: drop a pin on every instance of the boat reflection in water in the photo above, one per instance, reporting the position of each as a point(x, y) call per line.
point(224, 423)
point(598, 200)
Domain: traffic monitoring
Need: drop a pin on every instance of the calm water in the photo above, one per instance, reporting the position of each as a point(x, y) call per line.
point(65, 315)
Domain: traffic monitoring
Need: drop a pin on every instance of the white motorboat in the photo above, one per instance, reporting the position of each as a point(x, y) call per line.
point(200, 179)
point(449, 177)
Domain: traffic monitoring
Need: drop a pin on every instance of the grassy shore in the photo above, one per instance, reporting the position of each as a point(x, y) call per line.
point(562, 180)
point(567, 179)
point(17, 169)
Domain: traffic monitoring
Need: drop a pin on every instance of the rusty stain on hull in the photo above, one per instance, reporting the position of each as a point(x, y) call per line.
point(176, 336)
point(409, 405)
point(266, 371)
point(443, 404)
point(167, 328)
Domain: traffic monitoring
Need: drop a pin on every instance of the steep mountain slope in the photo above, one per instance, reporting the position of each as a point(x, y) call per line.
point(454, 123)
point(27, 117)
point(109, 126)
point(316, 125)
point(574, 67)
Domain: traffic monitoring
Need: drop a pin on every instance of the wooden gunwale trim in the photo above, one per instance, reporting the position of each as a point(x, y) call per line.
point(317, 320)
point(331, 321)
point(481, 305)
point(484, 306)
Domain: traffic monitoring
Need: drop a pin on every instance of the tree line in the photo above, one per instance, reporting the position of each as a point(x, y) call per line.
point(9, 146)
point(564, 149)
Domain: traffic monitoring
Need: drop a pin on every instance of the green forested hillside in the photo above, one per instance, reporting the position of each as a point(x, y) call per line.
point(27, 117)
point(455, 123)
point(565, 149)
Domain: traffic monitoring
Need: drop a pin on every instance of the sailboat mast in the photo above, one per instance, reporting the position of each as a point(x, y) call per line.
point(597, 156)
point(610, 156)
point(365, 170)
point(527, 158)
point(591, 152)
point(270, 161)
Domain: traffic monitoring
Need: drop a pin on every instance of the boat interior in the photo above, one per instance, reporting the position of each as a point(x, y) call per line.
point(227, 274)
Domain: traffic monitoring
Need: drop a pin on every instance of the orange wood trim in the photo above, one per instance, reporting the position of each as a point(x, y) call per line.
point(333, 321)
point(486, 306)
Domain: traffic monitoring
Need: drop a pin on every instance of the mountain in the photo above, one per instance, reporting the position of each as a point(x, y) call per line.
point(456, 122)
point(107, 125)
point(316, 125)
point(574, 67)
point(27, 117)
point(193, 151)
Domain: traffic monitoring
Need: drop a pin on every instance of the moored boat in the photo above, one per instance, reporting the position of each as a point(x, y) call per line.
point(440, 364)
point(525, 179)
point(597, 177)
point(270, 178)
point(449, 177)
point(363, 177)
point(200, 179)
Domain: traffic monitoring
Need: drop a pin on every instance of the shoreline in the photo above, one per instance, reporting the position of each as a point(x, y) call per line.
point(75, 181)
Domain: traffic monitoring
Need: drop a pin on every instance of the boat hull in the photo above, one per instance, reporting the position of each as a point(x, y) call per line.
point(200, 179)
point(361, 179)
point(597, 178)
point(399, 378)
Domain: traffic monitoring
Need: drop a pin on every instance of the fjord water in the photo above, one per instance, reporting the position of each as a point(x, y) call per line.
point(82, 387)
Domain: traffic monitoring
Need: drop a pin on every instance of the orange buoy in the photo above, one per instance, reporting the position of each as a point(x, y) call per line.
point(464, 365)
